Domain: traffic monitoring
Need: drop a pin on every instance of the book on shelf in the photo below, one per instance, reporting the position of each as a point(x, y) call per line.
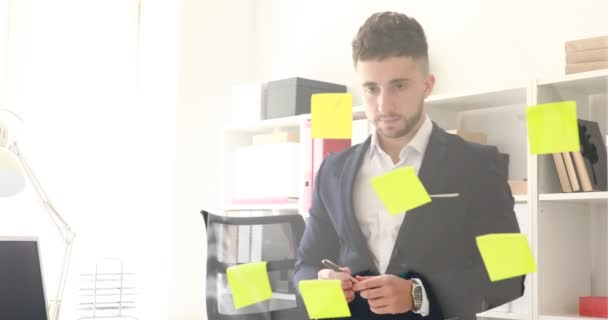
point(581, 168)
point(593, 152)
point(584, 170)
point(560, 168)
point(571, 171)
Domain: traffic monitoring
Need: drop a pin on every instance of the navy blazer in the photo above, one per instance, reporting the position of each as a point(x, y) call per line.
point(436, 242)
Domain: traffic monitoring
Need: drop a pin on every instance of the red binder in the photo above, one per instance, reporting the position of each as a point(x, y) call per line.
point(314, 151)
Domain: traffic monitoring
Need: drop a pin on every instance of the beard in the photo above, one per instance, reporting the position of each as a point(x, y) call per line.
point(404, 127)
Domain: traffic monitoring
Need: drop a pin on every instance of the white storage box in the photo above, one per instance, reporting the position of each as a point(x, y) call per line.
point(247, 102)
point(267, 171)
point(361, 131)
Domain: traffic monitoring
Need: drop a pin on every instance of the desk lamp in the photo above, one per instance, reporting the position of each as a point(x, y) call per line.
point(12, 181)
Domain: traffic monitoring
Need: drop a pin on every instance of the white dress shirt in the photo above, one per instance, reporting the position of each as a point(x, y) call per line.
point(379, 227)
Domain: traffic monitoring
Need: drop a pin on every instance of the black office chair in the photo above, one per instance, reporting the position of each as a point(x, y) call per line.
point(233, 240)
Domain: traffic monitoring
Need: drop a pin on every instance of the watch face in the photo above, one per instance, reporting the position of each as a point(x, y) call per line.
point(417, 296)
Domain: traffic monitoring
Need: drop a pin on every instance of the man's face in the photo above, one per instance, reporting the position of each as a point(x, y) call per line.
point(394, 90)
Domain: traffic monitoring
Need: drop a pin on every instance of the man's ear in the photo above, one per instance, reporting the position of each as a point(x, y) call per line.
point(429, 84)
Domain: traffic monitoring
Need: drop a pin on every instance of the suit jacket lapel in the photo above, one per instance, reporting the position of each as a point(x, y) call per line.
point(430, 176)
point(432, 161)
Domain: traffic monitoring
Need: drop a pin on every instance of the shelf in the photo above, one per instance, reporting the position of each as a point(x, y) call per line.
point(503, 315)
point(468, 101)
point(569, 317)
point(520, 198)
point(359, 113)
point(269, 124)
point(482, 100)
point(292, 122)
point(284, 296)
point(252, 207)
point(592, 82)
point(575, 197)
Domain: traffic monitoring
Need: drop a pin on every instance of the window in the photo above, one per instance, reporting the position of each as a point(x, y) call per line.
point(70, 69)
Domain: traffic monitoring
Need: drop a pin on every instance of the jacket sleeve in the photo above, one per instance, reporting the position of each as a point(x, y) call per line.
point(319, 240)
point(492, 211)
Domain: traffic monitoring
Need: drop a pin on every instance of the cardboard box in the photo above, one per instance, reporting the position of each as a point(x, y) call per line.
point(470, 136)
point(593, 306)
point(275, 137)
point(518, 187)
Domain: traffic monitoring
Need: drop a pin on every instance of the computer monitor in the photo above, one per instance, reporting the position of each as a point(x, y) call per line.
point(21, 286)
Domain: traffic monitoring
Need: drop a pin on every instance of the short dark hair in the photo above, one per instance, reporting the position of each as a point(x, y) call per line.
point(390, 34)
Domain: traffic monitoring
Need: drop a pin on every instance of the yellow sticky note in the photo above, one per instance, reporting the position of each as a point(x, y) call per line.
point(331, 115)
point(400, 190)
point(506, 255)
point(553, 128)
point(249, 283)
point(324, 299)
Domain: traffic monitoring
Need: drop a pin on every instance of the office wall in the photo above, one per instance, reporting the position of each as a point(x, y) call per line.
point(216, 51)
point(474, 45)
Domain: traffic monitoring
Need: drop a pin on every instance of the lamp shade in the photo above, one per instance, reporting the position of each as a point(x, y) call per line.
point(12, 180)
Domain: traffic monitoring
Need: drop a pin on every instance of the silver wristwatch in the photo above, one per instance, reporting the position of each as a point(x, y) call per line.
point(416, 295)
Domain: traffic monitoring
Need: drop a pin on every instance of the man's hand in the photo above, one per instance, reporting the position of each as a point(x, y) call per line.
point(347, 285)
point(386, 294)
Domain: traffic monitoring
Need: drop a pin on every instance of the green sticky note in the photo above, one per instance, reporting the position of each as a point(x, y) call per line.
point(400, 190)
point(553, 128)
point(331, 115)
point(249, 283)
point(324, 299)
point(506, 255)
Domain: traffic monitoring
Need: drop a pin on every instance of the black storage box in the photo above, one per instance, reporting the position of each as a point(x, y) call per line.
point(290, 97)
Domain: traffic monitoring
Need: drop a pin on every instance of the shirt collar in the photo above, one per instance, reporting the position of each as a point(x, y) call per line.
point(418, 143)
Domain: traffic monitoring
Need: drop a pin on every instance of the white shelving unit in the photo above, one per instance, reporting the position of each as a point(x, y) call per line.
point(269, 125)
point(503, 315)
point(494, 113)
point(568, 232)
point(520, 198)
point(236, 136)
point(581, 197)
point(572, 228)
point(569, 317)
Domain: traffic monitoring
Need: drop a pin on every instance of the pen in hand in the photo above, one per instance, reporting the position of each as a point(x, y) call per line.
point(336, 268)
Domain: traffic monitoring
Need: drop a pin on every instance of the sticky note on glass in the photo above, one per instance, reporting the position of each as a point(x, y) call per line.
point(249, 283)
point(324, 299)
point(331, 115)
point(400, 190)
point(506, 255)
point(553, 128)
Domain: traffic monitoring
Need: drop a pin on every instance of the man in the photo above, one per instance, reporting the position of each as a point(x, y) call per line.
point(423, 263)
